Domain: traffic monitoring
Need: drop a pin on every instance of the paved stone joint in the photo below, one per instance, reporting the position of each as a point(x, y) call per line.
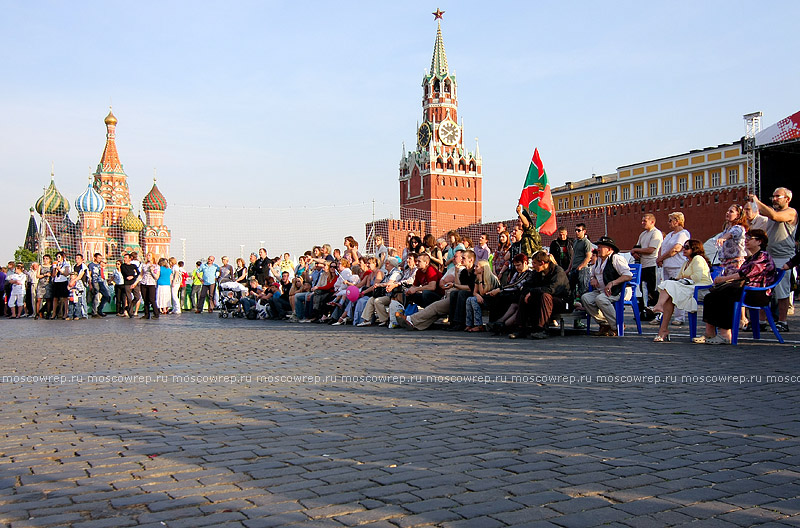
point(196, 421)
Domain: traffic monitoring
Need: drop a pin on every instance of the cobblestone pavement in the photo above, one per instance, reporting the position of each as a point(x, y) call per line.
point(351, 426)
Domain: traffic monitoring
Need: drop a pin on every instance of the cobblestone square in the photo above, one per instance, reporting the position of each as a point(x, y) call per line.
point(196, 421)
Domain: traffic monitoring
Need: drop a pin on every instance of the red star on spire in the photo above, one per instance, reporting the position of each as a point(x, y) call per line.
point(438, 14)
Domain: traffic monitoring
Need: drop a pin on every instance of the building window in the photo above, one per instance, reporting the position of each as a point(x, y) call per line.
point(591, 199)
point(682, 184)
point(653, 189)
point(626, 193)
point(698, 181)
point(597, 198)
point(639, 191)
point(733, 176)
point(667, 186)
point(715, 182)
point(580, 201)
point(614, 195)
point(574, 202)
point(608, 196)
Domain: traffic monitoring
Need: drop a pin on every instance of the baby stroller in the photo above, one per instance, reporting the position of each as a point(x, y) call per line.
point(229, 299)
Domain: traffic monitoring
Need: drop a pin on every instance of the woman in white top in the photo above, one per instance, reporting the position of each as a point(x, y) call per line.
point(679, 292)
point(60, 273)
point(670, 257)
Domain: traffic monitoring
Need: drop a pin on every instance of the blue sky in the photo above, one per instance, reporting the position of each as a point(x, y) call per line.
point(278, 104)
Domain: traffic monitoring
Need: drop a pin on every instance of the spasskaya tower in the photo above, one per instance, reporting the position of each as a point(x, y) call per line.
point(440, 181)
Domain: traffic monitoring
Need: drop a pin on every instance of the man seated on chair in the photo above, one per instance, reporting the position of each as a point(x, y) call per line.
point(608, 275)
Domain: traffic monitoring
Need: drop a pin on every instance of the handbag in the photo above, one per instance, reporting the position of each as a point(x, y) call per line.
point(727, 285)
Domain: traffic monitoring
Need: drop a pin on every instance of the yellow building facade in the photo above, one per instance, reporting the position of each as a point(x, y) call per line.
point(719, 168)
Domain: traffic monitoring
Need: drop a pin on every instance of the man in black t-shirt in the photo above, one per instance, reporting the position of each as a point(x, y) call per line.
point(561, 249)
point(130, 276)
point(462, 290)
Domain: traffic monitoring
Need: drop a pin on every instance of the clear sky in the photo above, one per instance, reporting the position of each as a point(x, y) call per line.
point(278, 104)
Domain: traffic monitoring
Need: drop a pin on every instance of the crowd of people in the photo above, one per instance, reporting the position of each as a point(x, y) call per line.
point(515, 288)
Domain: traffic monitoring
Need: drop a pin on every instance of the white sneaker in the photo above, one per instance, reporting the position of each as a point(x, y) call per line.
point(338, 323)
point(364, 323)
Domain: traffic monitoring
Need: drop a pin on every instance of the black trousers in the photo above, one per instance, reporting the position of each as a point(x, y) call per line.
point(149, 299)
point(206, 291)
point(120, 298)
point(424, 298)
point(458, 306)
point(718, 304)
point(648, 279)
point(498, 304)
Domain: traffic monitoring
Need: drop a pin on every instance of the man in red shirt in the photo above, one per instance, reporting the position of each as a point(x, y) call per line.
point(426, 287)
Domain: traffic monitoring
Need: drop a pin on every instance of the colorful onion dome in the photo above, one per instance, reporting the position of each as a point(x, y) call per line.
point(154, 201)
point(52, 201)
point(132, 223)
point(110, 119)
point(90, 201)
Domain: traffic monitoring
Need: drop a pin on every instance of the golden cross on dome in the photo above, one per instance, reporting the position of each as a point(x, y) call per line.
point(437, 14)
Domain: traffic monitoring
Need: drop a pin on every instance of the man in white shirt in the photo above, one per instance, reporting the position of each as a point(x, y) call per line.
point(646, 252)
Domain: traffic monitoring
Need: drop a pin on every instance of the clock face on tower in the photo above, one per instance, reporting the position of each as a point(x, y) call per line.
point(449, 132)
point(424, 135)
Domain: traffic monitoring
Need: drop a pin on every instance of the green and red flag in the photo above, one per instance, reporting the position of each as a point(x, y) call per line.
point(536, 197)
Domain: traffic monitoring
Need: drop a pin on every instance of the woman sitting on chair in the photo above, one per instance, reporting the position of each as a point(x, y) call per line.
point(679, 292)
point(758, 270)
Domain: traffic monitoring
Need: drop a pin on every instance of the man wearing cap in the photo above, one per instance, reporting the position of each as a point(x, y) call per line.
point(608, 275)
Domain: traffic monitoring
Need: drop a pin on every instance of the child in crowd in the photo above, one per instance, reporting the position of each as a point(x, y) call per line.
point(76, 289)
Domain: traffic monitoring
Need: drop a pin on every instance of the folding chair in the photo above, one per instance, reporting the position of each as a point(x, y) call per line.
point(619, 305)
point(754, 313)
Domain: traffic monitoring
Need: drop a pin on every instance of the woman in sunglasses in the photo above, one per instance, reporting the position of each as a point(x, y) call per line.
point(679, 292)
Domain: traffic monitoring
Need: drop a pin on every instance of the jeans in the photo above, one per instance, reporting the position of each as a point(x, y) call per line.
point(474, 312)
point(424, 298)
point(82, 301)
point(300, 304)
point(101, 289)
point(74, 310)
point(194, 297)
point(359, 309)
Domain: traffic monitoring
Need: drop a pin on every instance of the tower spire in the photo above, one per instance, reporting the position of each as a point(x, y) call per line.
point(110, 160)
point(439, 61)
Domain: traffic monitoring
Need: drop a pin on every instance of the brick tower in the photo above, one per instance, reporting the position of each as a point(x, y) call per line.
point(440, 181)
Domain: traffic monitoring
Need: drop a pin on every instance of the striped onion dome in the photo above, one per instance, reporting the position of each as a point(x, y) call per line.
point(90, 201)
point(132, 223)
point(154, 201)
point(52, 201)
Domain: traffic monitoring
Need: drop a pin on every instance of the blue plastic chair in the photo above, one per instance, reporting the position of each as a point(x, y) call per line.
point(754, 313)
point(715, 272)
point(619, 305)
